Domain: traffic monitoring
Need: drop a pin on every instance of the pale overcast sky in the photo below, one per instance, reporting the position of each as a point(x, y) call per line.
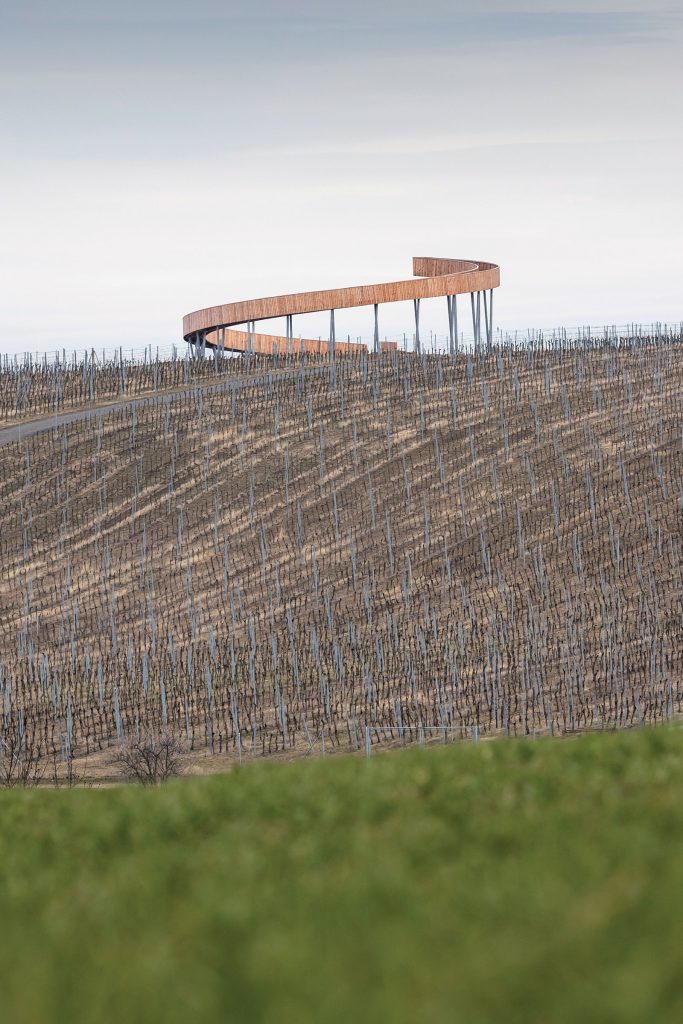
point(160, 156)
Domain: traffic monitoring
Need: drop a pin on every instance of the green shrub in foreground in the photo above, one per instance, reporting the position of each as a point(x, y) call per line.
point(508, 881)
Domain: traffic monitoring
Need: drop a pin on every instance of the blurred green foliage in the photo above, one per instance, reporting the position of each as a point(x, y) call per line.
point(510, 881)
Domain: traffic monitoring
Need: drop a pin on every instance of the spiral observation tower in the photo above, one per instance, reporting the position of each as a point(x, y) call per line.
point(231, 327)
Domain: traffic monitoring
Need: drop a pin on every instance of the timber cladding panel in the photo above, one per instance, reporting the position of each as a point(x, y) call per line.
point(433, 277)
point(271, 344)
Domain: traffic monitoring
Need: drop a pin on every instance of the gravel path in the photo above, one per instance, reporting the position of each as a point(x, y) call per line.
point(27, 428)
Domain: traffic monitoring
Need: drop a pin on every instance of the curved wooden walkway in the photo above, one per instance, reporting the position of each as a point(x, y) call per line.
point(432, 277)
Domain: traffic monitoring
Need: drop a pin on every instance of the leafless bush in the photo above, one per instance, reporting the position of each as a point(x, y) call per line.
point(151, 759)
point(20, 760)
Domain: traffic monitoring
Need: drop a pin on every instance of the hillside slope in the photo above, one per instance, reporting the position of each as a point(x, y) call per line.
point(360, 551)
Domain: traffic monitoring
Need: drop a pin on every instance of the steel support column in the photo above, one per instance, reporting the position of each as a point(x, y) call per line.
point(376, 346)
point(418, 346)
point(333, 337)
point(452, 323)
point(486, 323)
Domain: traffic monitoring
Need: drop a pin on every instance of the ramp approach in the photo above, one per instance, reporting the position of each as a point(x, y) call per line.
point(214, 327)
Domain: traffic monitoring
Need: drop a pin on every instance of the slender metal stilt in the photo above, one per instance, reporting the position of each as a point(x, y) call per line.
point(491, 318)
point(486, 322)
point(452, 323)
point(418, 346)
point(376, 327)
point(333, 338)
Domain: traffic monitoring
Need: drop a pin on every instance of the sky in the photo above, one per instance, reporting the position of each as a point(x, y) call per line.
point(157, 157)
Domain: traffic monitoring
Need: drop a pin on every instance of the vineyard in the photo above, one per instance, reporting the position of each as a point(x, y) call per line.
point(291, 555)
